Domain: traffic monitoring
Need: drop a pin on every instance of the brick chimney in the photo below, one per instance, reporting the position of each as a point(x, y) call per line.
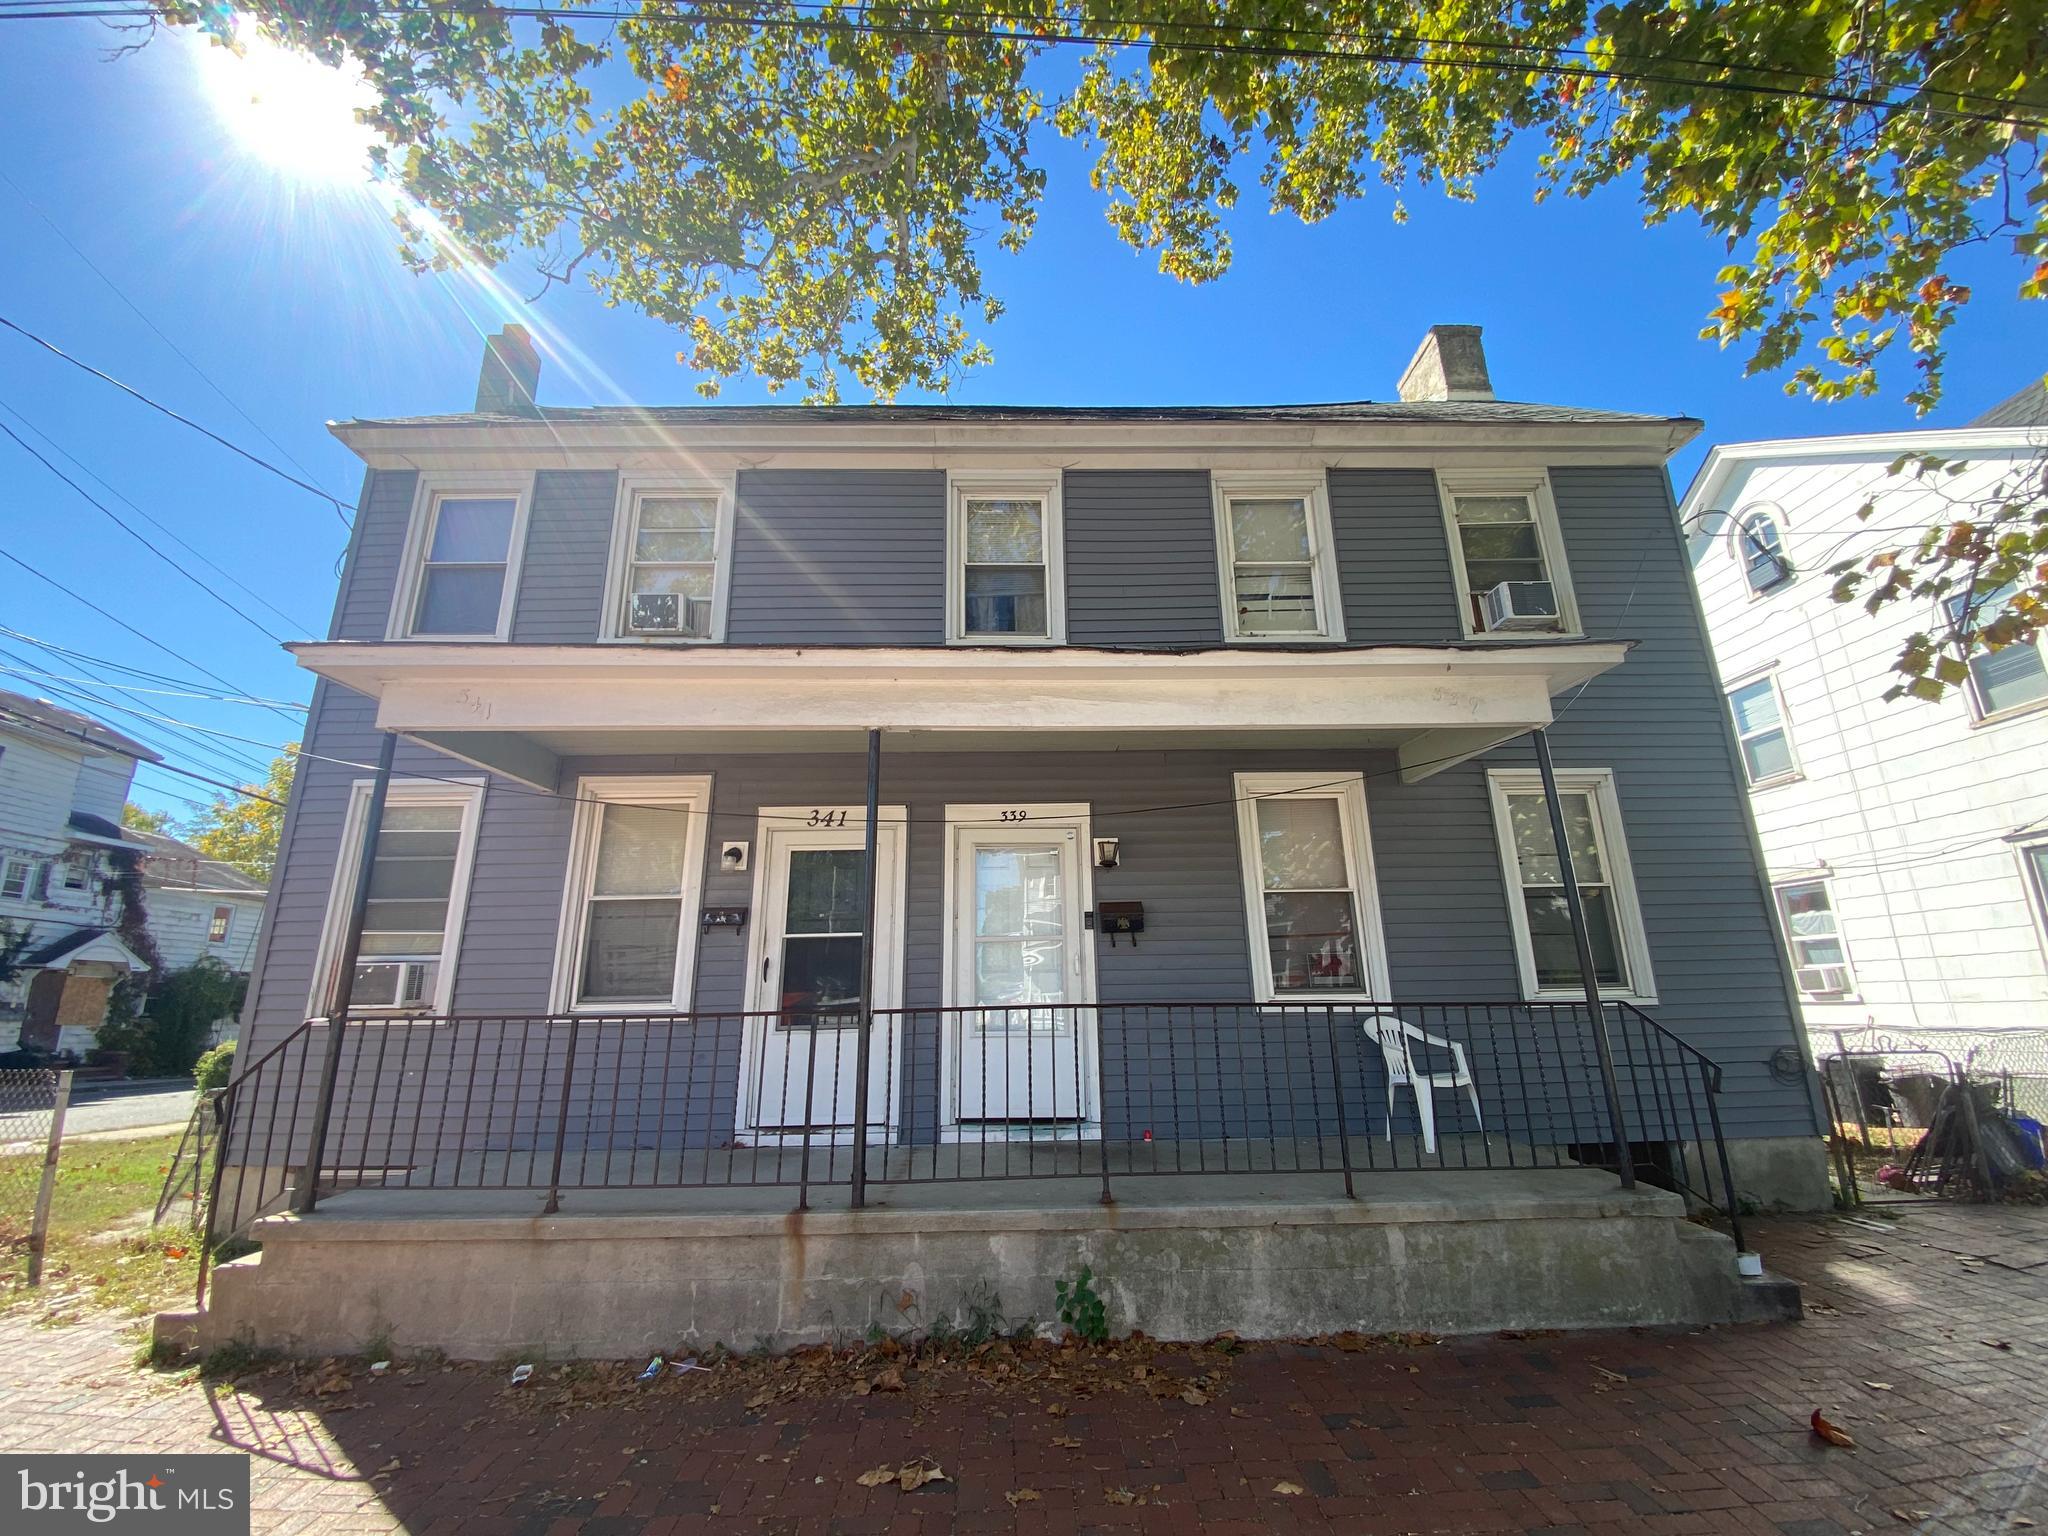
point(510, 375)
point(1449, 365)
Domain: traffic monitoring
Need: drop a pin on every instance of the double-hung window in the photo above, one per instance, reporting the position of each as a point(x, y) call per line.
point(462, 560)
point(1311, 903)
point(636, 880)
point(418, 887)
point(671, 561)
point(1820, 965)
point(1278, 560)
point(17, 878)
point(217, 926)
point(2011, 676)
point(1538, 912)
point(1759, 713)
point(1005, 568)
point(1507, 553)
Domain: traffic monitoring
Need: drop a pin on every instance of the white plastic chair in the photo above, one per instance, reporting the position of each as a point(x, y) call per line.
point(1394, 1034)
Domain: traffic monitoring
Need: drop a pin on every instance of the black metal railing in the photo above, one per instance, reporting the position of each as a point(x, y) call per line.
point(1096, 1093)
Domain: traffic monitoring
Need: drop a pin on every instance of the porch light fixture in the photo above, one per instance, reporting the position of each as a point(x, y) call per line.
point(1107, 855)
point(732, 857)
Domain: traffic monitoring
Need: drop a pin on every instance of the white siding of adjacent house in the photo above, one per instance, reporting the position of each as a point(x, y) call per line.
point(38, 783)
point(180, 919)
point(1907, 808)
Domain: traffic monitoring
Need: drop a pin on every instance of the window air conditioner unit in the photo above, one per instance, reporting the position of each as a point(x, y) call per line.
point(1822, 978)
point(1521, 605)
point(669, 613)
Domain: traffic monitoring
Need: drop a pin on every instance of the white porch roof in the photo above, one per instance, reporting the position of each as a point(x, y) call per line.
point(520, 709)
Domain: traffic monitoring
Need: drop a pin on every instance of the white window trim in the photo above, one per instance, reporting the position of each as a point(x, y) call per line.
point(691, 795)
point(517, 484)
point(633, 489)
point(1621, 880)
point(1225, 488)
point(1973, 695)
point(1737, 522)
point(28, 879)
point(1348, 790)
point(226, 913)
point(1778, 889)
point(1784, 727)
point(1046, 489)
point(1535, 484)
point(469, 794)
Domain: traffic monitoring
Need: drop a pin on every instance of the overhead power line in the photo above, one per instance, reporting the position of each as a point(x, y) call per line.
point(130, 670)
point(119, 522)
point(1367, 49)
point(341, 508)
point(234, 789)
point(146, 729)
point(137, 310)
point(149, 640)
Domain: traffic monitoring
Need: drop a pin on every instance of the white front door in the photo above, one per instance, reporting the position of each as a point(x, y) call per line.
point(1019, 1054)
point(810, 892)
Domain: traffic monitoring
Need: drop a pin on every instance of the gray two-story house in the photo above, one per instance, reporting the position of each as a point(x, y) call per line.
point(1193, 746)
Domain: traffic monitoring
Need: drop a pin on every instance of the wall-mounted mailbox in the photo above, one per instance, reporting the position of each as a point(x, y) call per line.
point(1120, 917)
point(725, 917)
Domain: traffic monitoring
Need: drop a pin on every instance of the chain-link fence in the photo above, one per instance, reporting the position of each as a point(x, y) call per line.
point(32, 1105)
point(1905, 1104)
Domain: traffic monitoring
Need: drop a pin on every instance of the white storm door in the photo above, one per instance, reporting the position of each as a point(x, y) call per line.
point(1020, 1051)
point(810, 896)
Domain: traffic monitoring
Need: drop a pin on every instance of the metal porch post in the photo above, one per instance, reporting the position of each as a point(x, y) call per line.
point(1568, 877)
point(863, 1048)
point(308, 1192)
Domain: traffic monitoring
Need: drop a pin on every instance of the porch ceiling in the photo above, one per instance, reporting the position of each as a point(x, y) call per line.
point(519, 710)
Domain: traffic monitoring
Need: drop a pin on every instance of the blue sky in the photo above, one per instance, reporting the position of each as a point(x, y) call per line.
point(290, 309)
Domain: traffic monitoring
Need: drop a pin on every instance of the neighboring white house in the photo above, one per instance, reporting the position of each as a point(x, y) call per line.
point(64, 778)
point(1906, 842)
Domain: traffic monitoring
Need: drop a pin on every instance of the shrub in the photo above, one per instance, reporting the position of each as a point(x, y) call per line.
point(165, 1038)
point(215, 1068)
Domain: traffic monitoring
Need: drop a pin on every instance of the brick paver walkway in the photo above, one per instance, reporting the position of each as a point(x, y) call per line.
point(1927, 1341)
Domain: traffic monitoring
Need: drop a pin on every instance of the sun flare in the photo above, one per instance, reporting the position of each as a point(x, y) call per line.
point(290, 110)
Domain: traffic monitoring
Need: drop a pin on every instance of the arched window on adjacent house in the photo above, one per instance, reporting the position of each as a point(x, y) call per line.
point(1764, 565)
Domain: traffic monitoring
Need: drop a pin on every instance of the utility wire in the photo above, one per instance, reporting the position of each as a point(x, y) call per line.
point(155, 330)
point(156, 522)
point(176, 693)
point(89, 700)
point(134, 671)
point(1024, 33)
point(14, 559)
point(128, 528)
point(341, 508)
point(233, 789)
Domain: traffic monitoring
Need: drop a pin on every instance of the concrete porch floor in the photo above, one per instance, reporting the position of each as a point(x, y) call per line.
point(1262, 1254)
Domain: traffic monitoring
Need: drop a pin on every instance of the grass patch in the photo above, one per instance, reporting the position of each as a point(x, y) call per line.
point(102, 1253)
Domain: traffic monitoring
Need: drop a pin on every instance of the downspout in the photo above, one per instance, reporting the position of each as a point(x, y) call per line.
point(863, 1049)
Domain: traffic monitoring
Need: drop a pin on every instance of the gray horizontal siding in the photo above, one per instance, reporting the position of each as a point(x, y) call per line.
point(1141, 558)
point(1657, 721)
point(376, 548)
point(839, 557)
point(568, 545)
point(1393, 557)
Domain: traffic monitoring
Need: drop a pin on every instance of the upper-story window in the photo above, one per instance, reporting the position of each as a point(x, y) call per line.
point(1508, 554)
point(1820, 965)
point(76, 871)
point(1762, 551)
point(2011, 676)
point(461, 559)
point(1278, 559)
point(671, 561)
point(1005, 583)
point(1759, 713)
point(217, 926)
point(17, 878)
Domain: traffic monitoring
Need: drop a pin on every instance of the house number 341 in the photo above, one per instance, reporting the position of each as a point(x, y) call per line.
point(825, 819)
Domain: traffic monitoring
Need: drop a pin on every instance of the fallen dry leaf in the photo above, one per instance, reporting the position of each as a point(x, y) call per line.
point(762, 1398)
point(877, 1477)
point(906, 1301)
point(1290, 1490)
point(1067, 1442)
point(915, 1476)
point(1878, 1386)
point(1909, 1516)
point(1610, 1375)
point(1995, 1343)
point(1018, 1496)
point(1194, 1397)
point(1829, 1432)
point(1120, 1496)
point(891, 1380)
